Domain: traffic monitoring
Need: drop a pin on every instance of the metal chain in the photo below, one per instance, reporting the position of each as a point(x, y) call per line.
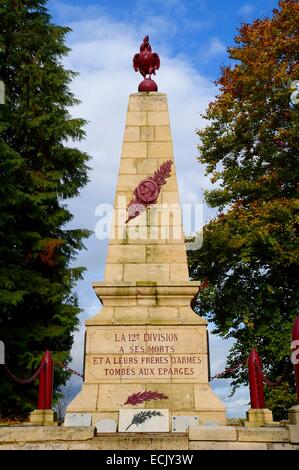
point(230, 369)
point(23, 381)
point(268, 381)
point(74, 372)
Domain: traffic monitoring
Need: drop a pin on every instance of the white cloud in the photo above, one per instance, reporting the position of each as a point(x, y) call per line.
point(102, 50)
point(246, 10)
point(213, 48)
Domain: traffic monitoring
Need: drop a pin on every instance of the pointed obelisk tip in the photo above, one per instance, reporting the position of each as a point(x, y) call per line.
point(146, 62)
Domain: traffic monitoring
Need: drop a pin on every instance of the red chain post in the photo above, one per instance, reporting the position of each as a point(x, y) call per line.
point(256, 384)
point(295, 354)
point(45, 391)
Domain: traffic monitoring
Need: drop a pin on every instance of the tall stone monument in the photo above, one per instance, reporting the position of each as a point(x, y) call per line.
point(147, 338)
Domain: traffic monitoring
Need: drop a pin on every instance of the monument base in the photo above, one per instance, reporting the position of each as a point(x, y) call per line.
point(102, 401)
point(200, 438)
point(147, 339)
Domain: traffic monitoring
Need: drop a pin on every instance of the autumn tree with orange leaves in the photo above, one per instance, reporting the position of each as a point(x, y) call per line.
point(249, 257)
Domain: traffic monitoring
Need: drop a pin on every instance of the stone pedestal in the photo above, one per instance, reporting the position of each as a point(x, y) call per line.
point(258, 417)
point(294, 415)
point(43, 418)
point(147, 337)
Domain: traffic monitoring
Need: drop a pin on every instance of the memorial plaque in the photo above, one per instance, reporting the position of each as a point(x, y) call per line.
point(183, 423)
point(106, 425)
point(144, 420)
point(77, 419)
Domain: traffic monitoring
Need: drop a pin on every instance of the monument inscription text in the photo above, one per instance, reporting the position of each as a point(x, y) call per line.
point(160, 354)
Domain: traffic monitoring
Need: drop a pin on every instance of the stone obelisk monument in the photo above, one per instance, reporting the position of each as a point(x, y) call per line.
point(146, 348)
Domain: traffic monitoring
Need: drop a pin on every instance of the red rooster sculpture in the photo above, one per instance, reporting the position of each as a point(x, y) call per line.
point(146, 62)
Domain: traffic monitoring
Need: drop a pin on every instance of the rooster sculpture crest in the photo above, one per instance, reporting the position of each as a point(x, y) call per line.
point(146, 62)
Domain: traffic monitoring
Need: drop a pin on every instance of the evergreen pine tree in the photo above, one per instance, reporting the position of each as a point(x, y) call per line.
point(38, 171)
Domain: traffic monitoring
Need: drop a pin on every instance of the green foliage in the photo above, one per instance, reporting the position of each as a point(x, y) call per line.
point(249, 256)
point(280, 399)
point(38, 171)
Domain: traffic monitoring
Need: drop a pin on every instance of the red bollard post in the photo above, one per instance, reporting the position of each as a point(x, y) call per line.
point(256, 384)
point(45, 391)
point(295, 354)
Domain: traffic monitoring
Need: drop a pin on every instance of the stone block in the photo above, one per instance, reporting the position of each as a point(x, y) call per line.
point(258, 417)
point(140, 102)
point(16, 434)
point(130, 316)
point(114, 272)
point(294, 434)
point(263, 434)
point(147, 133)
point(103, 317)
point(247, 446)
point(120, 215)
point(128, 182)
point(185, 314)
point(132, 134)
point(122, 198)
point(146, 441)
point(162, 133)
point(168, 215)
point(212, 433)
point(160, 150)
point(180, 396)
point(136, 118)
point(183, 423)
point(294, 415)
point(170, 197)
point(85, 445)
point(106, 425)
point(62, 433)
point(121, 301)
point(146, 167)
point(175, 236)
point(157, 314)
point(146, 301)
point(281, 446)
point(206, 401)
point(179, 272)
point(77, 419)
point(143, 420)
point(112, 397)
point(85, 401)
point(208, 445)
point(134, 150)
point(146, 272)
point(43, 417)
point(127, 166)
point(166, 254)
point(126, 254)
point(158, 118)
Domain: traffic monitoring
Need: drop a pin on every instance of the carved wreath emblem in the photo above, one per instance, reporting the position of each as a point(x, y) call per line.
point(148, 190)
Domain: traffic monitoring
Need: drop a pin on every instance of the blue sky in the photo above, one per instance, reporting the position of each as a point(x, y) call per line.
point(191, 38)
point(198, 29)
